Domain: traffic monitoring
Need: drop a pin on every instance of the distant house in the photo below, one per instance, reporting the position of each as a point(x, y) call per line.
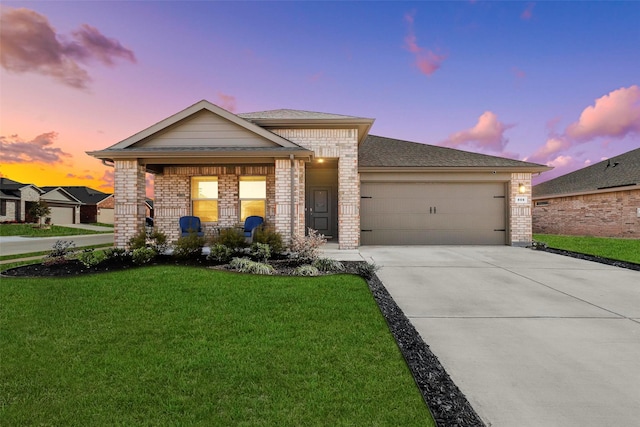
point(600, 200)
point(15, 198)
point(65, 208)
point(95, 205)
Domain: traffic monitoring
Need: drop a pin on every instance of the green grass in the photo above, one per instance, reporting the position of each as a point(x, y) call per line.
point(618, 249)
point(169, 345)
point(43, 253)
point(30, 230)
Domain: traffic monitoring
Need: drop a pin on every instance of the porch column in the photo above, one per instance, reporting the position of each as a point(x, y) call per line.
point(289, 201)
point(129, 195)
point(520, 220)
point(348, 197)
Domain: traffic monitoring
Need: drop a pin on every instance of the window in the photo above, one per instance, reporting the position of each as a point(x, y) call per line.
point(542, 203)
point(3, 207)
point(204, 197)
point(253, 196)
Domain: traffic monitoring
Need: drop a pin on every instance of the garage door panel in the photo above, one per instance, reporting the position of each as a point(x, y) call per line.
point(61, 215)
point(433, 213)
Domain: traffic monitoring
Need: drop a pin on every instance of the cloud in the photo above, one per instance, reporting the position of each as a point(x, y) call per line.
point(39, 150)
point(616, 114)
point(551, 148)
point(527, 13)
point(87, 176)
point(227, 102)
point(487, 134)
point(427, 61)
point(108, 179)
point(28, 43)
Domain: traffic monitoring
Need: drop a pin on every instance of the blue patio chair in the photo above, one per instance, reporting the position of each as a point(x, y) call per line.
point(190, 224)
point(250, 225)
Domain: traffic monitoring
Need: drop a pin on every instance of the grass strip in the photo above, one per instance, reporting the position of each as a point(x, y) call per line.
point(30, 230)
point(618, 249)
point(170, 345)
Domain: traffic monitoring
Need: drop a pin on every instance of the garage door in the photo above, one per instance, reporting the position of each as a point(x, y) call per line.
point(105, 215)
point(420, 213)
point(60, 215)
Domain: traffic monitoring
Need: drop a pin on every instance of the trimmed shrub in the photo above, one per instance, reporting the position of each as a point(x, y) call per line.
point(61, 253)
point(116, 253)
point(189, 246)
point(328, 265)
point(157, 241)
point(232, 238)
point(138, 241)
point(90, 258)
point(307, 248)
point(366, 269)
point(142, 256)
point(269, 236)
point(260, 251)
point(220, 253)
point(245, 265)
point(306, 270)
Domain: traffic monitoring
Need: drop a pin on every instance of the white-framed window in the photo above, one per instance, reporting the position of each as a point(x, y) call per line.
point(253, 196)
point(204, 198)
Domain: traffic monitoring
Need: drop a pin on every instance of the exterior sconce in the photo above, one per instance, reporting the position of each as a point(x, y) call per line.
point(320, 160)
point(521, 188)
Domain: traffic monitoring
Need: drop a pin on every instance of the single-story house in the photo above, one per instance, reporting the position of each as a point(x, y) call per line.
point(65, 208)
point(301, 169)
point(90, 199)
point(602, 200)
point(15, 198)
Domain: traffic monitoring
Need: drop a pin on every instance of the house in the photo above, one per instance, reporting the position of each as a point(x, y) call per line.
point(600, 200)
point(301, 169)
point(65, 208)
point(15, 199)
point(91, 201)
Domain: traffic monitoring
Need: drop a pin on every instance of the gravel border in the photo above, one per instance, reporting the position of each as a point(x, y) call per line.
point(448, 405)
point(601, 260)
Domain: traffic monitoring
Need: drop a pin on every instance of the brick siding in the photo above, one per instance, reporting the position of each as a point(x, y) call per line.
point(129, 194)
point(606, 214)
point(520, 213)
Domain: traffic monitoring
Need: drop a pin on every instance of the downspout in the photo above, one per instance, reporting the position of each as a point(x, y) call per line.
point(104, 162)
point(293, 192)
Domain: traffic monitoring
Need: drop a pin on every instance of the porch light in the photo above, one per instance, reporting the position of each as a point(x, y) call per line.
point(521, 188)
point(320, 160)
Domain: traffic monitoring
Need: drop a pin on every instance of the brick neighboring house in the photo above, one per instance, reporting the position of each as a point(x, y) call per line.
point(91, 201)
point(15, 198)
point(600, 200)
point(301, 169)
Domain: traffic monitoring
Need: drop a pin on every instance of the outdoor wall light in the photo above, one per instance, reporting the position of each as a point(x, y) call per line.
point(521, 188)
point(320, 160)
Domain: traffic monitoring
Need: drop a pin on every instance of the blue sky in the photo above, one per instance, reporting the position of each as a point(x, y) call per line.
point(550, 82)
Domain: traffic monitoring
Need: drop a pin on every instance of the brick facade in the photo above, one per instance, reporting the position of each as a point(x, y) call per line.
point(602, 214)
point(520, 212)
point(341, 144)
point(129, 193)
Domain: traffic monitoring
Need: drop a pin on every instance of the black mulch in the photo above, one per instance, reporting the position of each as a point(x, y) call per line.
point(601, 260)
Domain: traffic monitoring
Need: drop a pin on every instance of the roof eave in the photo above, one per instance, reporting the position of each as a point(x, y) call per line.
point(520, 169)
point(586, 192)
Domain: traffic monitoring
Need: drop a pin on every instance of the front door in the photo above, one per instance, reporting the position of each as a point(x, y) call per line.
point(320, 211)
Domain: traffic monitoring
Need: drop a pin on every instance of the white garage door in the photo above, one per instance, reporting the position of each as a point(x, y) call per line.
point(419, 213)
point(105, 215)
point(61, 215)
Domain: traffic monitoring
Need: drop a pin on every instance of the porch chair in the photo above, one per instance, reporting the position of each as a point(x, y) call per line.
point(250, 225)
point(190, 224)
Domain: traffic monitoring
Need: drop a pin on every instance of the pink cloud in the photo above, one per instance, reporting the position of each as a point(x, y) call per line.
point(228, 102)
point(616, 114)
point(527, 13)
point(427, 61)
point(149, 184)
point(487, 134)
point(549, 151)
point(28, 43)
point(87, 176)
point(108, 179)
point(39, 150)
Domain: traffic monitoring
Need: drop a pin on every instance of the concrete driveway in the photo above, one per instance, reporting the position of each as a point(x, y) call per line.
point(531, 338)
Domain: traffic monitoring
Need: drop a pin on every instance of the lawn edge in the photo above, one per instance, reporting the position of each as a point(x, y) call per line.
point(592, 258)
point(447, 404)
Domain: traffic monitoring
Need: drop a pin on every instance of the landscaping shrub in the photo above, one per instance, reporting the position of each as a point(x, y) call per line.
point(260, 251)
point(232, 238)
point(142, 256)
point(270, 237)
point(307, 248)
point(328, 265)
point(220, 253)
point(116, 253)
point(366, 269)
point(155, 240)
point(61, 253)
point(245, 265)
point(90, 257)
point(138, 241)
point(306, 270)
point(189, 246)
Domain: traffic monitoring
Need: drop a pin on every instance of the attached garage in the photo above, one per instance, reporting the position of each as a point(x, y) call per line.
point(62, 215)
point(105, 215)
point(65, 208)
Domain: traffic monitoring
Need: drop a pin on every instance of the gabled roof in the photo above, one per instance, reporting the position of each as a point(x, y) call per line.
point(61, 190)
point(617, 172)
point(378, 152)
point(286, 118)
point(9, 186)
point(86, 195)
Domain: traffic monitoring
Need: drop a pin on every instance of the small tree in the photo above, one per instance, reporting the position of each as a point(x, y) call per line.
point(39, 210)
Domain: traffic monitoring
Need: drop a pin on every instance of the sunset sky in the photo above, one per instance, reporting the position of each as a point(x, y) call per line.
point(556, 83)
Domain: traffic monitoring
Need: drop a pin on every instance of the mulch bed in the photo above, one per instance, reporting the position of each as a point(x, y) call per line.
point(601, 260)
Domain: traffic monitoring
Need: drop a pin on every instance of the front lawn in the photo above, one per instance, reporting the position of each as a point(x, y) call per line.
point(170, 345)
point(31, 230)
point(619, 249)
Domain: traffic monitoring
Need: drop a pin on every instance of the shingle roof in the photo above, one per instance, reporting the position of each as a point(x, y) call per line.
point(378, 151)
point(9, 184)
point(618, 171)
point(85, 194)
point(293, 114)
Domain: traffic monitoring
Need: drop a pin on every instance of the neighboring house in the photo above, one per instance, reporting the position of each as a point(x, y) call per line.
point(105, 210)
point(65, 208)
point(301, 169)
point(600, 200)
point(15, 198)
point(91, 200)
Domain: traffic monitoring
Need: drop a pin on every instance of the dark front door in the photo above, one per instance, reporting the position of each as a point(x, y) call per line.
point(320, 211)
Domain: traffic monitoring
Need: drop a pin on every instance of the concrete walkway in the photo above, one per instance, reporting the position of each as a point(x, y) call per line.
point(531, 338)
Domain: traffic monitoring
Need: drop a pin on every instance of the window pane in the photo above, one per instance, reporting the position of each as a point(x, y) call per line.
point(253, 187)
point(207, 210)
point(251, 207)
point(204, 187)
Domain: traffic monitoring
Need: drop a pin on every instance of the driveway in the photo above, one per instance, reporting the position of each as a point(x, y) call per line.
point(531, 338)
